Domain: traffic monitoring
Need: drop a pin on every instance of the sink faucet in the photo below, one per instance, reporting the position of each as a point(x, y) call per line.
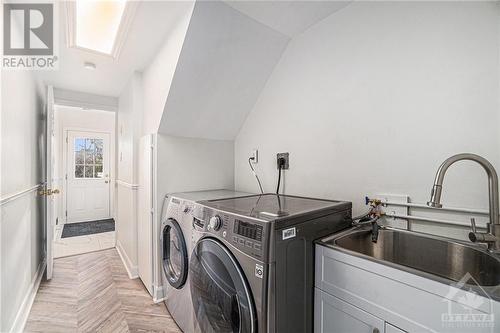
point(370, 218)
point(492, 237)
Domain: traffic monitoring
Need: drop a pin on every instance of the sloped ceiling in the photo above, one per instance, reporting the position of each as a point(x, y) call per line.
point(288, 17)
point(224, 64)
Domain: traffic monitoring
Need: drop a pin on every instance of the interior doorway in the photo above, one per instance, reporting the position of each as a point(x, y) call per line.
point(85, 167)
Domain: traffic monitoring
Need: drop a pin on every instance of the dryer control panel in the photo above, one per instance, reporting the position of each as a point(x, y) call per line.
point(246, 235)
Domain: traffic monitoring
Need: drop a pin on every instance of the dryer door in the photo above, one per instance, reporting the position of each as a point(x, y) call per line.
point(175, 254)
point(221, 297)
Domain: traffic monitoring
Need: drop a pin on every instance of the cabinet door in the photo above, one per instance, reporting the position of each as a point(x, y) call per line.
point(332, 315)
point(392, 329)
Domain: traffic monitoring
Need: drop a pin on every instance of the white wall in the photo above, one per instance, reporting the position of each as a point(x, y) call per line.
point(225, 62)
point(188, 164)
point(157, 77)
point(373, 98)
point(22, 229)
point(191, 164)
point(76, 118)
point(129, 120)
point(129, 129)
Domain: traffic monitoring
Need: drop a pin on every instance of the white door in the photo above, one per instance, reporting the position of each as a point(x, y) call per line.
point(87, 176)
point(50, 176)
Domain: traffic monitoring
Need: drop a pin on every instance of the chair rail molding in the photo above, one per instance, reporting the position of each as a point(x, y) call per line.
point(16, 195)
point(128, 185)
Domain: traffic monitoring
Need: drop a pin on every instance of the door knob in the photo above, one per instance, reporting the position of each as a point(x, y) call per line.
point(106, 181)
point(48, 192)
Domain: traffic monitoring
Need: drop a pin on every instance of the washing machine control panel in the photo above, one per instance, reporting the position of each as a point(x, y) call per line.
point(248, 230)
point(247, 235)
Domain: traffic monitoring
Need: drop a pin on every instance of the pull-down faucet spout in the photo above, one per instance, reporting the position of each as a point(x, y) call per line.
point(492, 238)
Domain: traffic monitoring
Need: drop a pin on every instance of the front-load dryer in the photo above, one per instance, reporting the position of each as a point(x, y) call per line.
point(175, 249)
point(251, 268)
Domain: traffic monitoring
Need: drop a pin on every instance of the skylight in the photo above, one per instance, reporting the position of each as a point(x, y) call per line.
point(97, 24)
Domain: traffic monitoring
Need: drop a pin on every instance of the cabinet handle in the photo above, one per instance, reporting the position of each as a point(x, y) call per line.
point(376, 330)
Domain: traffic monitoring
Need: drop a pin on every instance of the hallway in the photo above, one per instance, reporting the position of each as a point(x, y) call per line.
point(93, 293)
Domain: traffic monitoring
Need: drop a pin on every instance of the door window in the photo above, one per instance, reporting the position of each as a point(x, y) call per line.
point(88, 158)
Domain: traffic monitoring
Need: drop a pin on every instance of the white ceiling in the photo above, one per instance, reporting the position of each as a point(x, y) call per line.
point(288, 17)
point(151, 25)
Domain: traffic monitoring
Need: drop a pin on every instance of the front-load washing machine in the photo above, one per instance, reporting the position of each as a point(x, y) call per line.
point(176, 247)
point(252, 264)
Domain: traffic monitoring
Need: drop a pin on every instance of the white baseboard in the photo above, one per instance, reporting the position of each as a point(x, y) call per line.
point(132, 270)
point(29, 298)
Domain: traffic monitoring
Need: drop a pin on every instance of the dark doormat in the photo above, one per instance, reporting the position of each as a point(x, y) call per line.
point(88, 228)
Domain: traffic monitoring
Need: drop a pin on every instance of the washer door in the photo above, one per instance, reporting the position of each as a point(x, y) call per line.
point(175, 254)
point(221, 298)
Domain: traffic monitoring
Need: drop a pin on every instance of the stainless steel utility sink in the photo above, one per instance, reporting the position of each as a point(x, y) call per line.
point(441, 257)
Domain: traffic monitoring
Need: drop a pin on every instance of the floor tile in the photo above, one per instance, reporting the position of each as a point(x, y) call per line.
point(90, 293)
point(64, 247)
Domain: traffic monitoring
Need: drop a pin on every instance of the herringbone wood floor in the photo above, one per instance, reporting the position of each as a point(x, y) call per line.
point(92, 293)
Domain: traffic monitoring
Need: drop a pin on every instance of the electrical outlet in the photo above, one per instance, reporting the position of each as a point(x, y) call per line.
point(254, 156)
point(287, 161)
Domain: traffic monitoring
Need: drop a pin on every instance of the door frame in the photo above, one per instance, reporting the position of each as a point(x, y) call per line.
point(64, 156)
point(50, 213)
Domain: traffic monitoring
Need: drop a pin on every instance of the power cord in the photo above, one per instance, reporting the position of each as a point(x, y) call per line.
point(281, 164)
point(250, 159)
